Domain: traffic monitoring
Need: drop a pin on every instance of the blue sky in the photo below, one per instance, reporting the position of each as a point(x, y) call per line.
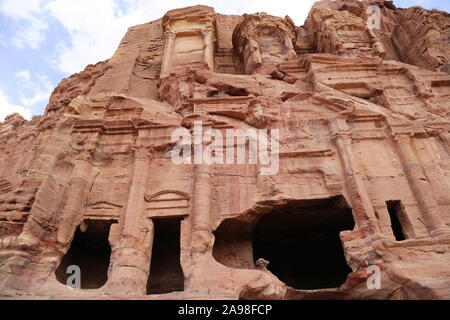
point(44, 41)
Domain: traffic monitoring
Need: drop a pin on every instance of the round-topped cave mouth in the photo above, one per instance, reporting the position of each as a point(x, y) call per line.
point(300, 240)
point(90, 251)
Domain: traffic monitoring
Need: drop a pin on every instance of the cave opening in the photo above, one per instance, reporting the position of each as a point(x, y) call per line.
point(301, 242)
point(396, 211)
point(90, 251)
point(166, 274)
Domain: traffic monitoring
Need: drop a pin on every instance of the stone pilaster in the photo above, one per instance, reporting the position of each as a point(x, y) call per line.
point(168, 53)
point(201, 228)
point(209, 50)
point(362, 206)
point(420, 186)
point(76, 194)
point(131, 265)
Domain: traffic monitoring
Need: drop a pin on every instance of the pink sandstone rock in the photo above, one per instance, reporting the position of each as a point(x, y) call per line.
point(364, 163)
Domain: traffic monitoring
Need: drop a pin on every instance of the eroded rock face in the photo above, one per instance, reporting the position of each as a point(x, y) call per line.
point(362, 186)
point(414, 35)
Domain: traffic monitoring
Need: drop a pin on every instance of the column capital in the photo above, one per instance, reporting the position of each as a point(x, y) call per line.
point(170, 34)
point(344, 135)
point(403, 137)
point(208, 31)
point(142, 153)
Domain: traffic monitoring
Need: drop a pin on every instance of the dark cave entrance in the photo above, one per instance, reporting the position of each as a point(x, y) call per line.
point(396, 212)
point(301, 242)
point(166, 274)
point(90, 251)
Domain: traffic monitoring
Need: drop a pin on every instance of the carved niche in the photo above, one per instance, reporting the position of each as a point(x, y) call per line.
point(189, 39)
point(264, 41)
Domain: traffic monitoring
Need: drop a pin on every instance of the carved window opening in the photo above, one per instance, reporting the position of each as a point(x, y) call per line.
point(90, 251)
point(396, 213)
point(166, 274)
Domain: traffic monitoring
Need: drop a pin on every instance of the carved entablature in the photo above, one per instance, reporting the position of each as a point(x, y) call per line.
point(367, 125)
point(264, 41)
point(189, 39)
point(167, 203)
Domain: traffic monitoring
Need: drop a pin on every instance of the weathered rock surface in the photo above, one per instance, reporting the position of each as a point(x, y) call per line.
point(363, 180)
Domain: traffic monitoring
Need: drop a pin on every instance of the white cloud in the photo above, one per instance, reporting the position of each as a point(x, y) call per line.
point(7, 108)
point(23, 9)
point(24, 76)
point(33, 90)
point(28, 21)
point(3, 41)
point(31, 35)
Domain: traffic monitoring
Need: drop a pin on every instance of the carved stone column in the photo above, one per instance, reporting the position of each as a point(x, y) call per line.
point(420, 186)
point(76, 194)
point(254, 61)
point(168, 53)
point(361, 203)
point(131, 266)
point(209, 50)
point(201, 228)
point(202, 197)
point(290, 47)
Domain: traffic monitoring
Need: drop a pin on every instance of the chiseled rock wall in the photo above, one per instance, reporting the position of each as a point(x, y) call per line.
point(364, 133)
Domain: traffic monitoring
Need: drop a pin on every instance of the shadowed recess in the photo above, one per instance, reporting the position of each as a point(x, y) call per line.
point(301, 242)
point(166, 274)
point(91, 251)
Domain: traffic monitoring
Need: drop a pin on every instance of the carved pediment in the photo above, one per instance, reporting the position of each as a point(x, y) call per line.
point(168, 199)
point(103, 210)
point(103, 205)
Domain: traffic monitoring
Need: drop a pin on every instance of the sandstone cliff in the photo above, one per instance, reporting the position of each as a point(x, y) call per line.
point(364, 163)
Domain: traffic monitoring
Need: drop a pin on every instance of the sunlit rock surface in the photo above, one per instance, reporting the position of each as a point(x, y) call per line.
point(364, 163)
